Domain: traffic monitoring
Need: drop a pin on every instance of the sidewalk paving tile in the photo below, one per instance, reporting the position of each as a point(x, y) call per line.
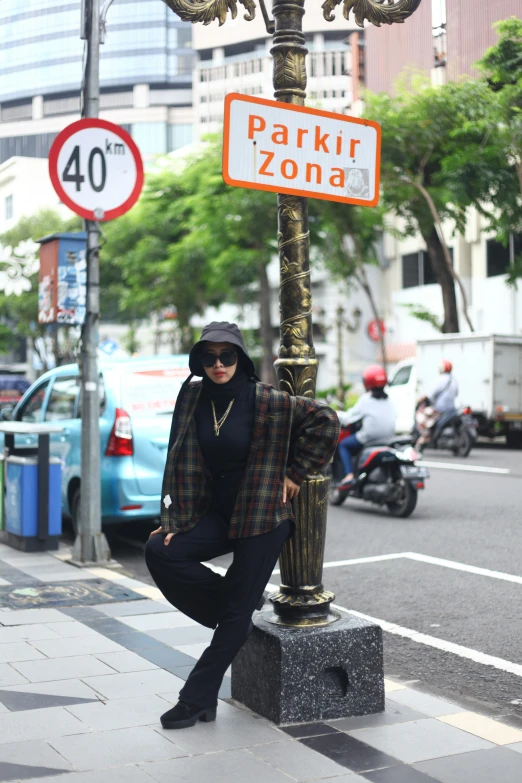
point(121, 713)
point(71, 630)
point(135, 608)
point(121, 686)
point(193, 650)
point(498, 765)
point(309, 729)
point(18, 701)
point(390, 686)
point(348, 777)
point(39, 725)
point(99, 750)
point(517, 747)
point(127, 774)
point(61, 576)
point(30, 616)
point(9, 676)
point(428, 705)
point(78, 666)
point(297, 760)
point(349, 752)
point(126, 661)
point(19, 651)
point(181, 637)
point(219, 767)
point(234, 728)
point(84, 645)
point(167, 657)
point(394, 713)
point(19, 772)
point(25, 633)
point(73, 688)
point(401, 775)
point(159, 621)
point(420, 740)
point(36, 753)
point(487, 728)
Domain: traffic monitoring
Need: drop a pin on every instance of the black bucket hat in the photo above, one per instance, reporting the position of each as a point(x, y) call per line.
point(220, 332)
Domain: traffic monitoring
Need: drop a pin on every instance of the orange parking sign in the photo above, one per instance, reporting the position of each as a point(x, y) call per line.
point(284, 148)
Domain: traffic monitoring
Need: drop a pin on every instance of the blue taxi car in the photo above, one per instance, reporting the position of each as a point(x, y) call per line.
point(137, 397)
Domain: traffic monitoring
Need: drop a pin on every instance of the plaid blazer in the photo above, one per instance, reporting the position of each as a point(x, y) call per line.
point(292, 436)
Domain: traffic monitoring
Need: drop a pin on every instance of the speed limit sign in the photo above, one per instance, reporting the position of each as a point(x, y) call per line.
point(96, 169)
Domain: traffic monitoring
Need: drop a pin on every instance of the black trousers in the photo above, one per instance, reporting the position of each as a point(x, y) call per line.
point(225, 603)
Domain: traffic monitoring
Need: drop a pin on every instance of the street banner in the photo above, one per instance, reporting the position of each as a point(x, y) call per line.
point(284, 148)
point(96, 169)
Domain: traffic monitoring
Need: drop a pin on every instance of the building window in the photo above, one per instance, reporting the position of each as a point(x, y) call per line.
point(9, 207)
point(410, 270)
point(499, 257)
point(417, 269)
point(439, 33)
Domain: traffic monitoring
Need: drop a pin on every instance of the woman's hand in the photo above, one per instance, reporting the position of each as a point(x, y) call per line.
point(290, 489)
point(167, 537)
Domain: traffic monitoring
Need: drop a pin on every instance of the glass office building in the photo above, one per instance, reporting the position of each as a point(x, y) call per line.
point(41, 54)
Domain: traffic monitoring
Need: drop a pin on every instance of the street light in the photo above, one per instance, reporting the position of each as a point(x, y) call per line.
point(340, 687)
point(301, 599)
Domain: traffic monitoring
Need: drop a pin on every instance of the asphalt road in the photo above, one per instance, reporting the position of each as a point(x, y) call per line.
point(472, 519)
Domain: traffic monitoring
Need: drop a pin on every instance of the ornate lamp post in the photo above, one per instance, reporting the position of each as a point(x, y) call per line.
point(301, 600)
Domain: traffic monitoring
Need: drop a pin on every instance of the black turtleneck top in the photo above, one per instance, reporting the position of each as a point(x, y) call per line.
point(226, 455)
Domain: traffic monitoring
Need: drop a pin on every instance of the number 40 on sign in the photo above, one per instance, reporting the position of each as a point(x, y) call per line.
point(96, 169)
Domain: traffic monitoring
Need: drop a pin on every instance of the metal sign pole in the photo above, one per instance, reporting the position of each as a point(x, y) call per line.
point(90, 544)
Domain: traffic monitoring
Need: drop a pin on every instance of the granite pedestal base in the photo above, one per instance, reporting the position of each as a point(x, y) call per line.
point(300, 675)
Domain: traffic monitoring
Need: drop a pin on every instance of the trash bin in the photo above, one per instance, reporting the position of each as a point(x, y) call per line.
point(23, 509)
point(2, 495)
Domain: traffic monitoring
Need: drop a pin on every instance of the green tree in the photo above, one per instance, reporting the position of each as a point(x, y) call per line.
point(422, 133)
point(194, 242)
point(348, 240)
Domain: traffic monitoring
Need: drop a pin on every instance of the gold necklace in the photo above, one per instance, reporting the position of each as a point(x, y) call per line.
point(219, 424)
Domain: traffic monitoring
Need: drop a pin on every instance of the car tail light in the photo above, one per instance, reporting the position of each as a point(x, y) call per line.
point(120, 440)
point(467, 410)
point(420, 484)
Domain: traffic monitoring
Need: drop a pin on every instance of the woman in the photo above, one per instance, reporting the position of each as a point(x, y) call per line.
point(238, 453)
point(376, 414)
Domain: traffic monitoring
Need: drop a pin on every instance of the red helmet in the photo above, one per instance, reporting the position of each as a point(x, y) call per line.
point(446, 366)
point(374, 377)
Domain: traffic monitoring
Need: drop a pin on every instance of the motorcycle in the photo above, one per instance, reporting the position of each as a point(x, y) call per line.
point(385, 474)
point(455, 431)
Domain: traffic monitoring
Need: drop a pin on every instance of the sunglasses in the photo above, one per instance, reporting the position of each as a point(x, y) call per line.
point(227, 358)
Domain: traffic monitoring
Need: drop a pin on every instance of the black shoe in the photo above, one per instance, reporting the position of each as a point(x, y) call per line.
point(184, 715)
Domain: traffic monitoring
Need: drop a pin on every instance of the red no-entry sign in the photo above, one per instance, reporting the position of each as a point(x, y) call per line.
point(96, 169)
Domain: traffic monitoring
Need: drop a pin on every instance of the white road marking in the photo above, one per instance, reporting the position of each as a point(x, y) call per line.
point(468, 468)
point(430, 641)
point(464, 567)
point(421, 638)
point(359, 560)
point(470, 569)
point(440, 644)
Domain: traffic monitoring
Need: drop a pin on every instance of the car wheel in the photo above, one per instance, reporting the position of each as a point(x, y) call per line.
point(406, 504)
point(75, 511)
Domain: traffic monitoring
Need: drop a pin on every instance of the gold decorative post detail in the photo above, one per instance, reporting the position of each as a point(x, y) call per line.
point(301, 600)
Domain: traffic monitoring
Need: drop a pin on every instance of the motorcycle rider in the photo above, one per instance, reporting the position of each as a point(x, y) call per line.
point(441, 400)
point(377, 416)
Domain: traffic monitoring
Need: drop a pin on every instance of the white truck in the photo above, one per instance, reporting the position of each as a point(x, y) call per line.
point(488, 369)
